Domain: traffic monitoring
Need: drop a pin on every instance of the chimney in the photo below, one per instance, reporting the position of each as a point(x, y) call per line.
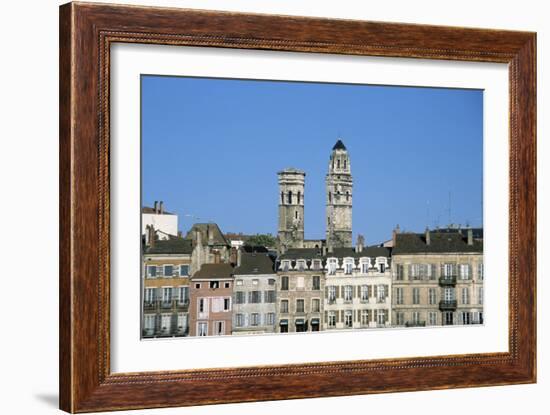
point(161, 207)
point(156, 207)
point(151, 236)
point(239, 257)
point(470, 236)
point(209, 234)
point(360, 243)
point(428, 239)
point(394, 235)
point(198, 238)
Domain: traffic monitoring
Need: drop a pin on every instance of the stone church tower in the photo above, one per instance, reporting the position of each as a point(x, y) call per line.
point(339, 184)
point(291, 208)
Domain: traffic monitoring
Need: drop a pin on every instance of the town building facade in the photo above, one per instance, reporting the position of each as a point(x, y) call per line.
point(357, 288)
point(165, 282)
point(300, 288)
point(438, 277)
point(255, 294)
point(211, 300)
point(164, 223)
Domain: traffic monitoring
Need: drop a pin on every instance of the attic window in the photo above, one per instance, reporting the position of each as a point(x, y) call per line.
point(254, 269)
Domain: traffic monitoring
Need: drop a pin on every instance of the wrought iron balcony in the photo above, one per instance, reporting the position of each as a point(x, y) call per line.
point(447, 280)
point(447, 305)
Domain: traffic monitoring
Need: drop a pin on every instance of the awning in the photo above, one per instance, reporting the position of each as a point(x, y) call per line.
point(283, 323)
point(300, 321)
point(314, 321)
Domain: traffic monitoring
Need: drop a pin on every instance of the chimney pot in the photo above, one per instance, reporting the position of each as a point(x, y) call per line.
point(156, 207)
point(161, 207)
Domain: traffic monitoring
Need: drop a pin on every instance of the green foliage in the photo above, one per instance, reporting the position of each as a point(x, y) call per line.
point(266, 240)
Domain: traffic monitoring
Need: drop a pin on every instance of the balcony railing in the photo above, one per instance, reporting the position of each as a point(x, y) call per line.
point(165, 304)
point(447, 305)
point(447, 280)
point(415, 324)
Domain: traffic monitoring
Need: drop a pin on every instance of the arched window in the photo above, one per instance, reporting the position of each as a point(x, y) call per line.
point(290, 197)
point(345, 163)
point(338, 163)
point(330, 197)
point(347, 196)
point(296, 214)
point(282, 198)
point(299, 196)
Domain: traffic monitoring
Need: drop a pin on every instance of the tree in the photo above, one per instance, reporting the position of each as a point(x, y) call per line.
point(266, 240)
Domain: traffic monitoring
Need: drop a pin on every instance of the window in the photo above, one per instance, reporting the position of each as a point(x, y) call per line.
point(400, 318)
point(285, 265)
point(382, 267)
point(399, 296)
point(347, 195)
point(364, 293)
point(289, 199)
point(271, 281)
point(316, 282)
point(220, 326)
point(345, 163)
point(284, 283)
point(332, 319)
point(239, 320)
point(184, 270)
point(300, 326)
point(149, 322)
point(465, 296)
point(432, 318)
point(331, 294)
point(382, 317)
point(299, 199)
point(365, 317)
point(338, 163)
point(166, 294)
point(348, 268)
point(226, 304)
point(214, 284)
point(269, 296)
point(254, 319)
point(416, 295)
point(382, 293)
point(332, 265)
point(282, 198)
point(348, 293)
point(284, 327)
point(316, 264)
point(431, 296)
point(300, 306)
point(166, 322)
point(270, 319)
point(202, 328)
point(255, 282)
point(464, 271)
point(300, 282)
point(151, 271)
point(255, 297)
point(198, 285)
point(226, 284)
point(240, 297)
point(284, 306)
point(480, 271)
point(149, 296)
point(414, 272)
point(168, 270)
point(348, 318)
point(365, 267)
point(449, 294)
point(239, 282)
point(465, 317)
point(399, 272)
point(416, 317)
point(202, 305)
point(449, 270)
point(448, 318)
point(480, 295)
point(183, 295)
point(315, 305)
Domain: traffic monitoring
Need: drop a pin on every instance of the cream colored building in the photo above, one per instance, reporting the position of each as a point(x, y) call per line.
point(438, 277)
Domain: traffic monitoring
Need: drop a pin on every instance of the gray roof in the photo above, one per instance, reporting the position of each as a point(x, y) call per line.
point(214, 271)
point(255, 263)
point(368, 251)
point(170, 246)
point(440, 242)
point(302, 253)
point(339, 145)
point(205, 229)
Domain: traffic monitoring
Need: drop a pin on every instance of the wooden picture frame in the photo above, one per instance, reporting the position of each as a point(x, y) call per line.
point(86, 33)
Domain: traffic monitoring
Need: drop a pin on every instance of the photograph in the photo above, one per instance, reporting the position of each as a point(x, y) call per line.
point(273, 207)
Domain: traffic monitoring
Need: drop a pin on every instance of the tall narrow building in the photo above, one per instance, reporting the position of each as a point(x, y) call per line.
point(339, 185)
point(291, 208)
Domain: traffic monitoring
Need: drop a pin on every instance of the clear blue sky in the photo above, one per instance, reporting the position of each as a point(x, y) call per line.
point(211, 148)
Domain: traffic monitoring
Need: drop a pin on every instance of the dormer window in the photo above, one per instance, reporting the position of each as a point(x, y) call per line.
point(301, 265)
point(365, 264)
point(381, 263)
point(332, 266)
point(285, 265)
point(316, 264)
point(348, 266)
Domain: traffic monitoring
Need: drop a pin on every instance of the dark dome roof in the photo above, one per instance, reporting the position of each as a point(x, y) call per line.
point(339, 145)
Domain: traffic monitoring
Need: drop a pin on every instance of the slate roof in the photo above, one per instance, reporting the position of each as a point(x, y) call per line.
point(440, 242)
point(302, 253)
point(255, 263)
point(170, 246)
point(339, 145)
point(214, 271)
point(315, 253)
point(368, 251)
point(217, 235)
